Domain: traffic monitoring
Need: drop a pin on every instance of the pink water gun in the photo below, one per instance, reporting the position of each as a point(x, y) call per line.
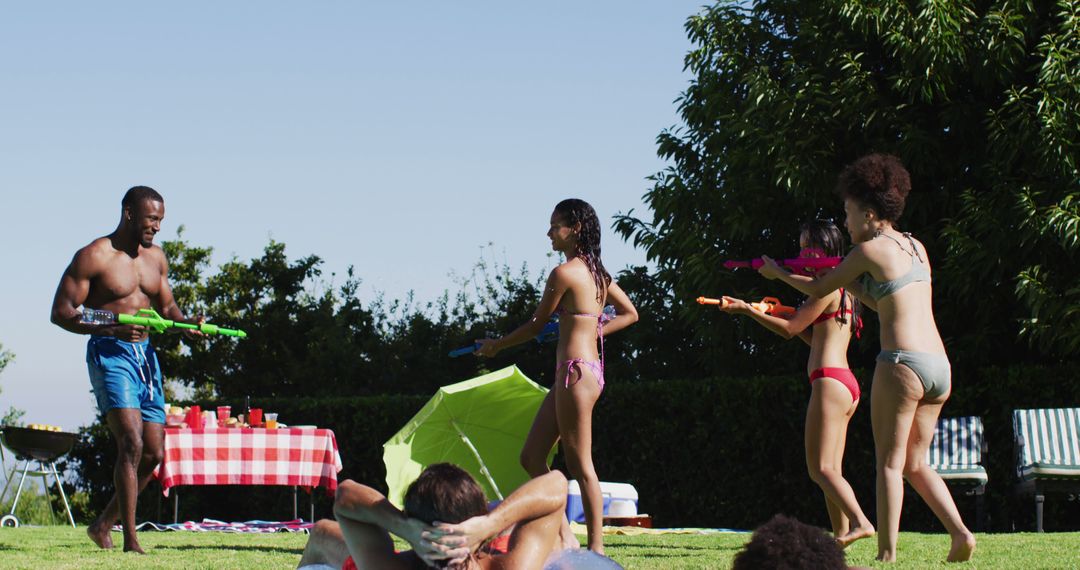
point(798, 263)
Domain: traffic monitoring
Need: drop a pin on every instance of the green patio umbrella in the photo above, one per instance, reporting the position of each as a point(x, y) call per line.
point(479, 425)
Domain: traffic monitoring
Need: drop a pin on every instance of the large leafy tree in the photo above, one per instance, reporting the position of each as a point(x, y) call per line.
point(981, 100)
point(307, 337)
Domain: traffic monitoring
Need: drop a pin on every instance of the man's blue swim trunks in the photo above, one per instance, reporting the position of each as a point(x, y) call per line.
point(126, 375)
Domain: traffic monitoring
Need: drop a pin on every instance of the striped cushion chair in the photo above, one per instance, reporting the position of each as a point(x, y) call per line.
point(956, 454)
point(1048, 453)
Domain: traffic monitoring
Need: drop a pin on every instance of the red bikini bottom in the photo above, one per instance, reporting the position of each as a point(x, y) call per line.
point(843, 375)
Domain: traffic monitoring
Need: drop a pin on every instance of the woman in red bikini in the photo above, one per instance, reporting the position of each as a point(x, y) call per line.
point(826, 324)
point(577, 290)
point(912, 377)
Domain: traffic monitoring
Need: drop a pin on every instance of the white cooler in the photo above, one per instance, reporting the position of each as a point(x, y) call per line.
point(620, 500)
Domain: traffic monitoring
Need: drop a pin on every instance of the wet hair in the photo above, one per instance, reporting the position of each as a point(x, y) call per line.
point(878, 181)
point(446, 493)
point(784, 543)
point(136, 194)
point(572, 211)
point(824, 235)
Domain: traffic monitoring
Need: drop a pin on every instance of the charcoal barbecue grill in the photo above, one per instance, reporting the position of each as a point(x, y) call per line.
point(44, 447)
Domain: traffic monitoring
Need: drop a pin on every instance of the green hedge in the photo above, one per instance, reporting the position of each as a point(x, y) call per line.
point(707, 452)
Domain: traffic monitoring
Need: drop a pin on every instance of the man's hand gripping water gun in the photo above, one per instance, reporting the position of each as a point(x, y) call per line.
point(150, 319)
point(768, 305)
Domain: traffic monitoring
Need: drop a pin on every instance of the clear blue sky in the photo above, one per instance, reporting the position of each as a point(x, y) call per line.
point(396, 137)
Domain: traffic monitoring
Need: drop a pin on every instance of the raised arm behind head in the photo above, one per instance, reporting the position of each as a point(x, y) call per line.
point(536, 510)
point(442, 492)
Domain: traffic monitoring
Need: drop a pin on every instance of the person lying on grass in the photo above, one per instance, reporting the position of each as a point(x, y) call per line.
point(785, 543)
point(446, 521)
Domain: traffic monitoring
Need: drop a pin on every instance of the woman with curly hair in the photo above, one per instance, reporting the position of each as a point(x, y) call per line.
point(826, 324)
point(577, 290)
point(890, 273)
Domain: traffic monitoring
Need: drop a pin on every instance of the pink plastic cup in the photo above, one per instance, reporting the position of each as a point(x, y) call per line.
point(223, 414)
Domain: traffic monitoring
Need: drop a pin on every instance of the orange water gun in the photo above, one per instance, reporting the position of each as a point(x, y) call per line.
point(768, 305)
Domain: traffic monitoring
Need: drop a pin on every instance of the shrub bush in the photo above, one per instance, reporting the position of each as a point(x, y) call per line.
point(701, 452)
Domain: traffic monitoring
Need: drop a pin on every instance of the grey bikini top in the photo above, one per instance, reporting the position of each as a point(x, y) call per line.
point(918, 272)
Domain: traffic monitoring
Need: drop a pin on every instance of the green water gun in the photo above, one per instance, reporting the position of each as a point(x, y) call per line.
point(151, 319)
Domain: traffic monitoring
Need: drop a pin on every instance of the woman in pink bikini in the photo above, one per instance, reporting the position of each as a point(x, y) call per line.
point(577, 290)
point(825, 323)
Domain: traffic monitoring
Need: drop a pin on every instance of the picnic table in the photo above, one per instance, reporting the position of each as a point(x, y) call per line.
point(292, 456)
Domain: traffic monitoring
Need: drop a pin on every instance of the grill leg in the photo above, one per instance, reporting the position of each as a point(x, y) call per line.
point(7, 483)
point(67, 507)
point(45, 487)
point(26, 467)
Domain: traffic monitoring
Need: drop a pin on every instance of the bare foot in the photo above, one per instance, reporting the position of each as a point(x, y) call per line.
point(566, 536)
point(963, 546)
point(99, 533)
point(131, 544)
point(599, 549)
point(855, 534)
point(569, 540)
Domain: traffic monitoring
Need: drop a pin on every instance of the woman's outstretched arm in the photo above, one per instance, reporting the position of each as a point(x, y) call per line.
point(557, 284)
point(855, 264)
point(790, 327)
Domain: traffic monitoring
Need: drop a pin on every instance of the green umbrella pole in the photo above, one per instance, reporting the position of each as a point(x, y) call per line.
point(476, 454)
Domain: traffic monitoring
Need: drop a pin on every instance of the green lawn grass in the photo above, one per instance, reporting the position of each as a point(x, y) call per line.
point(59, 547)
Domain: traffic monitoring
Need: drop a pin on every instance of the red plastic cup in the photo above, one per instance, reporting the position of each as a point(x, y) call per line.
point(254, 416)
point(194, 418)
point(223, 413)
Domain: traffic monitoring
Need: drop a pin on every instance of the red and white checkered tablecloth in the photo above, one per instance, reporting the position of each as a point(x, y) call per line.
point(249, 456)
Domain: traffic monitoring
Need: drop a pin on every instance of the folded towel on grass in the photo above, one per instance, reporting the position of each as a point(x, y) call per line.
point(211, 525)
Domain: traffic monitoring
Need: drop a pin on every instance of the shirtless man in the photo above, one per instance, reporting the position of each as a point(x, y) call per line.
point(445, 520)
point(123, 272)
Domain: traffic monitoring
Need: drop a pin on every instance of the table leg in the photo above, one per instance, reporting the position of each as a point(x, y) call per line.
point(294, 511)
point(175, 505)
point(312, 519)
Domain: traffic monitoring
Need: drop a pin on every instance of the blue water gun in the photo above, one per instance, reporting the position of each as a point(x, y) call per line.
point(549, 333)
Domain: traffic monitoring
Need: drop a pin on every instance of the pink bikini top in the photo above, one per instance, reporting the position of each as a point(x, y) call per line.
point(602, 318)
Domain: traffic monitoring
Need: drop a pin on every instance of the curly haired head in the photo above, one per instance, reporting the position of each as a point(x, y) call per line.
point(573, 211)
point(877, 181)
point(786, 544)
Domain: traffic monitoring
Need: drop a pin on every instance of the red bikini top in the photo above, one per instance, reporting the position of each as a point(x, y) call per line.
point(857, 325)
